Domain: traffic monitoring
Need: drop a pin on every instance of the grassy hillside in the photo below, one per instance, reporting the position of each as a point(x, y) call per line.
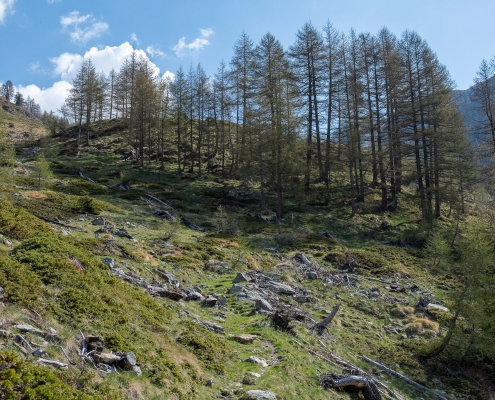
point(54, 278)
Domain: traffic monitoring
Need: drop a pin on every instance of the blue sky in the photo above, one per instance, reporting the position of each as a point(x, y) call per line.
point(42, 42)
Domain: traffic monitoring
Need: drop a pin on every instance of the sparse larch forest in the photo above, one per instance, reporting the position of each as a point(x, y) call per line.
point(313, 222)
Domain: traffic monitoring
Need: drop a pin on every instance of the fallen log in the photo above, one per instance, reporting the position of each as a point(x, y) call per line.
point(405, 378)
point(362, 384)
point(56, 222)
point(190, 224)
point(53, 363)
point(321, 326)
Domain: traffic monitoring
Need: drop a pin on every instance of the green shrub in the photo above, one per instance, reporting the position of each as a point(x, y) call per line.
point(19, 224)
point(209, 348)
point(24, 380)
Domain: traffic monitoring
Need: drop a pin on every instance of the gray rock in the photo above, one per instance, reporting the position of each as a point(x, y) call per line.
point(280, 288)
point(109, 262)
point(222, 300)
point(262, 305)
point(2, 293)
point(432, 306)
point(259, 395)
point(257, 360)
point(137, 370)
point(248, 295)
point(194, 296)
point(127, 361)
point(241, 278)
point(99, 221)
point(311, 275)
point(218, 266)
point(236, 289)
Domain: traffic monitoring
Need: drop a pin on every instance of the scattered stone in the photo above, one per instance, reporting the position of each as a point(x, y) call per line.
point(194, 296)
point(218, 266)
point(109, 262)
point(255, 374)
point(432, 306)
point(222, 300)
point(240, 277)
point(99, 221)
point(262, 305)
point(245, 338)
point(210, 301)
point(259, 395)
point(236, 289)
point(2, 292)
point(137, 370)
point(257, 360)
point(248, 295)
point(280, 288)
point(247, 380)
point(209, 383)
point(5, 334)
point(311, 275)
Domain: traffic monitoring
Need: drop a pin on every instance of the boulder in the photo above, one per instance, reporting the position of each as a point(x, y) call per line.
point(281, 288)
point(262, 305)
point(432, 306)
point(257, 360)
point(311, 275)
point(236, 289)
point(241, 278)
point(194, 296)
point(259, 395)
point(248, 295)
point(245, 338)
point(99, 221)
point(222, 300)
point(210, 301)
point(109, 261)
point(218, 266)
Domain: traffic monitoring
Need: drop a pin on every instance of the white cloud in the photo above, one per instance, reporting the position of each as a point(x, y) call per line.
point(68, 64)
point(197, 45)
point(82, 28)
point(6, 8)
point(169, 75)
point(50, 98)
point(206, 32)
point(134, 37)
point(154, 52)
point(52, 1)
point(35, 66)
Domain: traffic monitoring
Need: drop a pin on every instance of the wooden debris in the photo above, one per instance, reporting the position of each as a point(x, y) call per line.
point(165, 214)
point(405, 378)
point(321, 326)
point(190, 224)
point(53, 363)
point(361, 383)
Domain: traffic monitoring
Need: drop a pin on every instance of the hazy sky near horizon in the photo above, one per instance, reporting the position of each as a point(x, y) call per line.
point(44, 41)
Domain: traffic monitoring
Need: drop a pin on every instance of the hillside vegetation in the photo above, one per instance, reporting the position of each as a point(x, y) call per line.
point(87, 249)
